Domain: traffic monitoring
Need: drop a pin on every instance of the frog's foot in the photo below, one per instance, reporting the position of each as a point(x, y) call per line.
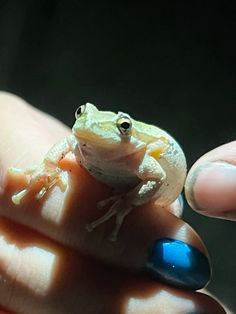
point(47, 177)
point(52, 180)
point(120, 208)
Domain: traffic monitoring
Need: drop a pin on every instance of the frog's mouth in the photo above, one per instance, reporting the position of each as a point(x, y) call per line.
point(94, 139)
point(104, 146)
point(103, 140)
point(99, 151)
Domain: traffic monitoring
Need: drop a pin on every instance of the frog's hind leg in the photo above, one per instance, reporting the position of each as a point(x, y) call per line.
point(124, 203)
point(119, 208)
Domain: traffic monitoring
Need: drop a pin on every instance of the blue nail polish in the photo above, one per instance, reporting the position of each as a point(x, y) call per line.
point(178, 263)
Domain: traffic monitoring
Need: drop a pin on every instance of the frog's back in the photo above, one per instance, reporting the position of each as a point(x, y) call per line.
point(148, 132)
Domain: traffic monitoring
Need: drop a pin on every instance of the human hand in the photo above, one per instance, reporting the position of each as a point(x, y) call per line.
point(49, 263)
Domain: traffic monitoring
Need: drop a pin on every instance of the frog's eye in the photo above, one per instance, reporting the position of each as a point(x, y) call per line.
point(124, 125)
point(80, 110)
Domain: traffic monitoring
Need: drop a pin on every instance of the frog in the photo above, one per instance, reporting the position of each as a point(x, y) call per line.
point(140, 162)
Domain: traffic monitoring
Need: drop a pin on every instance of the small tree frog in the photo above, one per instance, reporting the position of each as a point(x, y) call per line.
point(140, 159)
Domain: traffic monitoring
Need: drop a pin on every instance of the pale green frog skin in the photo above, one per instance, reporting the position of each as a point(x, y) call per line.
point(140, 161)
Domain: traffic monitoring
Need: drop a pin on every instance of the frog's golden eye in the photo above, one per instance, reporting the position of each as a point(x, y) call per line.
point(124, 125)
point(80, 110)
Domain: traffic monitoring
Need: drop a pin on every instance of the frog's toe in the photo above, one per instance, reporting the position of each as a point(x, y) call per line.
point(16, 198)
point(107, 201)
point(62, 181)
point(19, 171)
point(94, 224)
point(14, 170)
point(113, 237)
point(41, 193)
point(56, 178)
point(89, 227)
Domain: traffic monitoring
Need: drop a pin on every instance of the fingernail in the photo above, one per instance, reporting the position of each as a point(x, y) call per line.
point(178, 263)
point(214, 186)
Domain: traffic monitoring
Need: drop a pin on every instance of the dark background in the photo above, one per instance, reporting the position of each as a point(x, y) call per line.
point(172, 65)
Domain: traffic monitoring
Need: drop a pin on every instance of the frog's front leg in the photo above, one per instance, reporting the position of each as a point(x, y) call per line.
point(48, 171)
point(152, 176)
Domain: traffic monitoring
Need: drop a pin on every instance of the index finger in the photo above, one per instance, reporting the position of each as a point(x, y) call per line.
point(151, 238)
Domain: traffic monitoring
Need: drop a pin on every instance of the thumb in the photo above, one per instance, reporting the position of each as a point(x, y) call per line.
point(211, 183)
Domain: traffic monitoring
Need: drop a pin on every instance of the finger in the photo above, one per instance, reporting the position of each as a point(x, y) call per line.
point(147, 231)
point(211, 183)
point(38, 276)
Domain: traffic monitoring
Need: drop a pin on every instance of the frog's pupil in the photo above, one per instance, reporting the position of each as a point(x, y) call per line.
point(125, 125)
point(79, 111)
